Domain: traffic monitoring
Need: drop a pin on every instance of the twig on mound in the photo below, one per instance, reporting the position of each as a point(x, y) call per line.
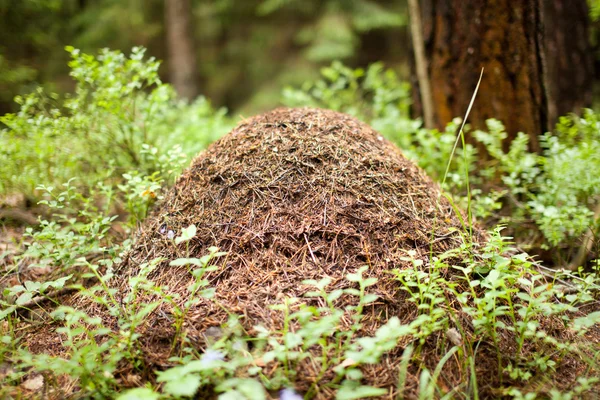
point(21, 216)
point(52, 296)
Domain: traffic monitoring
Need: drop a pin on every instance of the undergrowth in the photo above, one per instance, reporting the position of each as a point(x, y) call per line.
point(501, 295)
point(122, 112)
point(120, 117)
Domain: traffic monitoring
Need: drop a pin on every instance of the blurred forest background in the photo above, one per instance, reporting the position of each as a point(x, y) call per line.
point(240, 54)
point(244, 51)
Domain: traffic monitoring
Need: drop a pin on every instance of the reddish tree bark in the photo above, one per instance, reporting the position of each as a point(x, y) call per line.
point(183, 68)
point(531, 75)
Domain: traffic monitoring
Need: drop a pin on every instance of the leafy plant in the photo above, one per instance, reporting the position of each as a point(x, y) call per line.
point(556, 189)
point(334, 34)
point(121, 117)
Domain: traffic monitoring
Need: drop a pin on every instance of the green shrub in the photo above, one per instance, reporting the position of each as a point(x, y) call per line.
point(499, 298)
point(559, 188)
point(119, 109)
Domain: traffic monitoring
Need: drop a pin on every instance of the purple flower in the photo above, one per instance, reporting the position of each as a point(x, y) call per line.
point(211, 355)
point(170, 234)
point(289, 394)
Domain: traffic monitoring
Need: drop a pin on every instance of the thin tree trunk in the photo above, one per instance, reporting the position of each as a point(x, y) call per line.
point(421, 62)
point(183, 68)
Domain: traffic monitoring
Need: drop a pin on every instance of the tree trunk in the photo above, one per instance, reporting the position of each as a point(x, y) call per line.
point(524, 82)
point(183, 67)
point(421, 63)
point(569, 58)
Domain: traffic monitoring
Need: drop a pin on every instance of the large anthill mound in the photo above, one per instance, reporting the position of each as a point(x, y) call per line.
point(298, 194)
point(290, 195)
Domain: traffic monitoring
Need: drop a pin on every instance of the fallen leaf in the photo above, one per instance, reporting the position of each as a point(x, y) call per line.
point(454, 336)
point(348, 362)
point(33, 384)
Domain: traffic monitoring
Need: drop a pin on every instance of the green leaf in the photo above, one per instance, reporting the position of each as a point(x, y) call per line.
point(7, 311)
point(208, 293)
point(231, 395)
point(57, 284)
point(186, 261)
point(17, 289)
point(146, 309)
point(60, 282)
point(369, 282)
point(354, 374)
point(349, 392)
point(370, 298)
point(24, 298)
point(493, 277)
point(186, 234)
point(186, 385)
point(586, 322)
point(333, 296)
point(139, 394)
point(248, 388)
point(32, 286)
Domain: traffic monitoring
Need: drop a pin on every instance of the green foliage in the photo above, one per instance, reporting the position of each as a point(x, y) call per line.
point(91, 362)
point(375, 94)
point(502, 297)
point(594, 9)
point(77, 227)
point(557, 189)
point(334, 33)
point(247, 50)
point(13, 76)
point(120, 117)
point(199, 287)
point(21, 295)
point(111, 134)
point(31, 32)
point(119, 23)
